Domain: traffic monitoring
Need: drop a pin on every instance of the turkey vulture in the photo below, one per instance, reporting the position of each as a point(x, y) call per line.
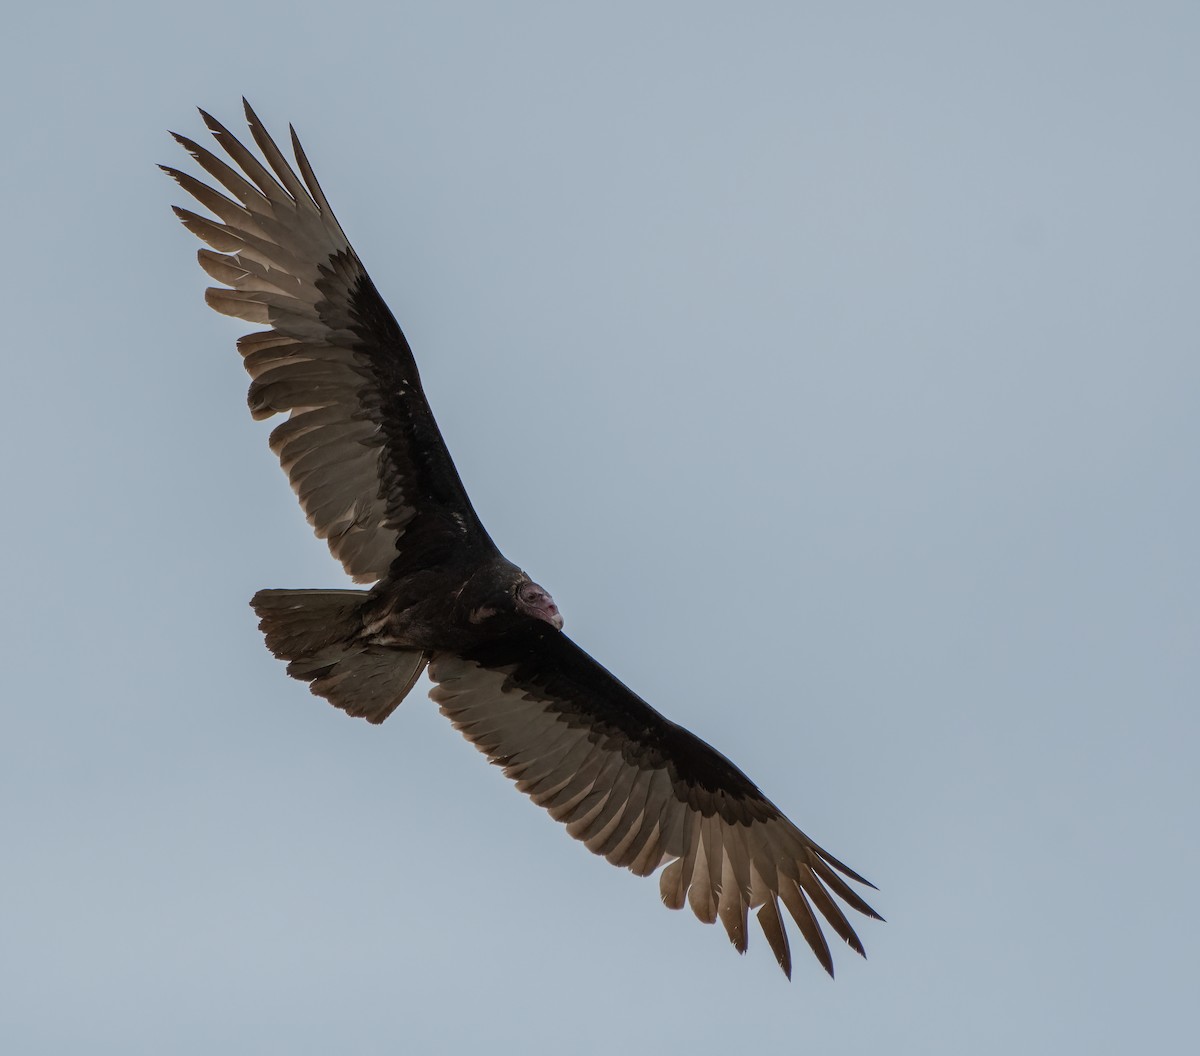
point(365, 457)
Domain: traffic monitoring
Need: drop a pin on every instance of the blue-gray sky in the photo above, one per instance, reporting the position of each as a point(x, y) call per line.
point(836, 367)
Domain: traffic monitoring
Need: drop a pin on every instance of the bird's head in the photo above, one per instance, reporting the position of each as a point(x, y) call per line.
point(494, 601)
point(535, 601)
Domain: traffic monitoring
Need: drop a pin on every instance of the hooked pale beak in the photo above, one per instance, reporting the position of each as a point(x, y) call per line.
point(545, 609)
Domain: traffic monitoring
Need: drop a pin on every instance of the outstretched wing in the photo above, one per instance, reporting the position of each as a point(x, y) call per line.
point(360, 446)
point(643, 792)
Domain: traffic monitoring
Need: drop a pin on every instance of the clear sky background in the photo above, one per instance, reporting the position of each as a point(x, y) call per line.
point(836, 367)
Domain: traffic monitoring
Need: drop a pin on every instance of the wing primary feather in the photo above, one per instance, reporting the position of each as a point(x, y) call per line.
point(831, 911)
point(250, 165)
point(249, 195)
point(216, 235)
point(221, 266)
point(846, 871)
point(772, 926)
point(246, 273)
point(839, 886)
point(310, 180)
point(226, 209)
point(275, 158)
point(793, 898)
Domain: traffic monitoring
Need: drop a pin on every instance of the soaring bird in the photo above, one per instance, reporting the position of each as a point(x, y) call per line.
point(369, 466)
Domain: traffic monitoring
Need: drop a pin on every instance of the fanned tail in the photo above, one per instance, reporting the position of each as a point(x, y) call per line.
point(317, 632)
